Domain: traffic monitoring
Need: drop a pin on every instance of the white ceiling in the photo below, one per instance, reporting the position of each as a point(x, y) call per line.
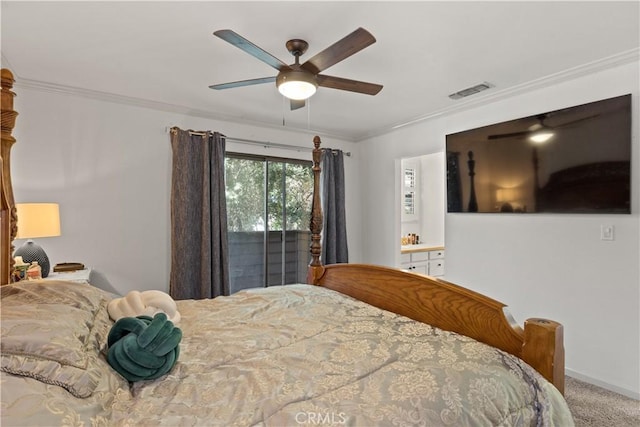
point(164, 54)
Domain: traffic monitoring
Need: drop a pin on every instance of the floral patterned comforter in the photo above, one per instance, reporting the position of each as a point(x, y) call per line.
point(305, 355)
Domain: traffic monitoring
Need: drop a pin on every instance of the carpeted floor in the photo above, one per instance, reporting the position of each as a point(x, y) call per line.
point(592, 406)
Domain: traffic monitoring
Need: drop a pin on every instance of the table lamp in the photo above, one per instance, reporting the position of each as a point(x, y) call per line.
point(36, 220)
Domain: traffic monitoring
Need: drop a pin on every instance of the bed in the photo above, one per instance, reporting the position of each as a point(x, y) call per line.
point(357, 345)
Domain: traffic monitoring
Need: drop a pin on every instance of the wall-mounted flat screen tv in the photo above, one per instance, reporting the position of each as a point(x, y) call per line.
point(573, 160)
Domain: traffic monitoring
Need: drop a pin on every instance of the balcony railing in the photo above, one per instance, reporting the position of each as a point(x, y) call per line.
point(247, 258)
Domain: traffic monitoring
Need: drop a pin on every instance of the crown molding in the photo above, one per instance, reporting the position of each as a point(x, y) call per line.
point(487, 97)
point(49, 87)
point(481, 99)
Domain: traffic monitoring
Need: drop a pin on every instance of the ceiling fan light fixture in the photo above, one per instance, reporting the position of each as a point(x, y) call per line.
point(541, 136)
point(296, 84)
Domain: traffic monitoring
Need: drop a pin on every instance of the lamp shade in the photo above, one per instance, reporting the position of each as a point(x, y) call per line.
point(38, 220)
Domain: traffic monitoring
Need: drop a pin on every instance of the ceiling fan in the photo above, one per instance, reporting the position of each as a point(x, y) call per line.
point(299, 81)
point(539, 132)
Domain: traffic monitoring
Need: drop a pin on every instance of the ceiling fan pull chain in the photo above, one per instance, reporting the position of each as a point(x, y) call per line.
point(284, 99)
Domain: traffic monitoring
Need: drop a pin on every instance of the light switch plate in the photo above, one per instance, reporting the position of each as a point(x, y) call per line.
point(607, 232)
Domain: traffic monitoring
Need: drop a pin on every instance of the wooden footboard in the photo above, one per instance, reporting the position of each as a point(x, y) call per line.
point(452, 308)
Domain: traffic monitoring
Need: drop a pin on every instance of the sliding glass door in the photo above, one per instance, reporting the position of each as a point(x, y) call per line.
point(268, 210)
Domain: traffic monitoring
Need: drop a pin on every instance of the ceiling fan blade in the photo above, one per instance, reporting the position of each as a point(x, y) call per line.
point(572, 122)
point(342, 49)
point(297, 103)
point(347, 84)
point(541, 125)
point(253, 50)
point(509, 135)
point(243, 83)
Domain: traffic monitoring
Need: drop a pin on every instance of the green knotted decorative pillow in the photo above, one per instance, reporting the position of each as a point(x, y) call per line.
point(142, 348)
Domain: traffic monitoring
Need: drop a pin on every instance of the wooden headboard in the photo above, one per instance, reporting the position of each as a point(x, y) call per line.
point(588, 187)
point(8, 219)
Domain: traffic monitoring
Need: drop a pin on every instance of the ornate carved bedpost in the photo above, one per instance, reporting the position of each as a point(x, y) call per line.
point(8, 216)
point(315, 225)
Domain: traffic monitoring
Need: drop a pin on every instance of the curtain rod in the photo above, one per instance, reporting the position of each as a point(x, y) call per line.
point(265, 144)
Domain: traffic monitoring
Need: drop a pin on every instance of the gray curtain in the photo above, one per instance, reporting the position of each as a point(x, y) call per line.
point(199, 246)
point(332, 196)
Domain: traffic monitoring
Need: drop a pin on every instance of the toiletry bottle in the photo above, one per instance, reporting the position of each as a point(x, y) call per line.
point(35, 271)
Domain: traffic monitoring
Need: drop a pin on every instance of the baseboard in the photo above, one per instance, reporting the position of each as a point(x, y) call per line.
point(629, 393)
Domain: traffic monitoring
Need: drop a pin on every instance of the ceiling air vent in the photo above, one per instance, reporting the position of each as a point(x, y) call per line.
point(471, 90)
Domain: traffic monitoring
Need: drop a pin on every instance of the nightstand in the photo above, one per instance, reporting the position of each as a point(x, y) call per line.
point(78, 276)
